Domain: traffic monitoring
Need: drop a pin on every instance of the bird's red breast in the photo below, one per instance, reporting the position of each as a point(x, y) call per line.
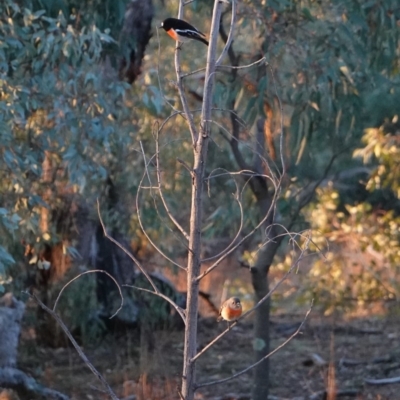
point(173, 34)
point(230, 310)
point(230, 314)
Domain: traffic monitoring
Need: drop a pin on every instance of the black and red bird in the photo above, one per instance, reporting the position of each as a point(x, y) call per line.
point(182, 31)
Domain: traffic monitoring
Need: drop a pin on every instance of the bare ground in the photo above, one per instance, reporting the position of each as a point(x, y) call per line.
point(336, 353)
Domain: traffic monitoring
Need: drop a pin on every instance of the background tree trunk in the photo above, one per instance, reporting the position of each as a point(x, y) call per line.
point(264, 196)
point(135, 35)
point(11, 312)
point(261, 343)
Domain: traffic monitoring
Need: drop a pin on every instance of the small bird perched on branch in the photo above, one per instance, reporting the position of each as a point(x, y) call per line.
point(230, 310)
point(182, 31)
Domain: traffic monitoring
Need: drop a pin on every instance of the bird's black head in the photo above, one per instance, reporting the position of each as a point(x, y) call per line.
point(168, 23)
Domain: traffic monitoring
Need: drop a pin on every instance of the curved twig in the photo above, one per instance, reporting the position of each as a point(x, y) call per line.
point(141, 222)
point(261, 60)
point(126, 251)
point(258, 226)
point(178, 309)
point(158, 187)
point(281, 119)
point(179, 84)
point(384, 381)
point(89, 272)
point(234, 141)
point(158, 75)
point(136, 261)
point(171, 217)
point(230, 36)
point(239, 231)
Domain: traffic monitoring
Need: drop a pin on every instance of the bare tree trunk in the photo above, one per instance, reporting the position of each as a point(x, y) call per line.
point(200, 145)
point(188, 383)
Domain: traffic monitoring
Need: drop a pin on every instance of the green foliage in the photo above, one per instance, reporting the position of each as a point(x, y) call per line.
point(360, 241)
point(64, 110)
point(333, 63)
point(327, 58)
point(57, 104)
point(384, 148)
point(103, 14)
point(361, 257)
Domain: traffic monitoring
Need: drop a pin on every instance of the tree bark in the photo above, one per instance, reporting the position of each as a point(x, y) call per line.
point(135, 35)
point(200, 147)
point(189, 372)
point(264, 196)
point(11, 312)
point(261, 343)
point(260, 270)
point(261, 336)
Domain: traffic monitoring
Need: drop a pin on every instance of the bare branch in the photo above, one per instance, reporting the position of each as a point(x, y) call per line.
point(293, 266)
point(77, 347)
point(262, 359)
point(185, 165)
point(307, 193)
point(219, 67)
point(247, 173)
point(233, 248)
point(177, 388)
point(385, 381)
point(145, 165)
point(171, 217)
point(90, 272)
point(158, 75)
point(239, 231)
point(179, 84)
point(260, 61)
point(234, 141)
point(178, 309)
point(144, 230)
point(174, 114)
point(210, 71)
point(126, 251)
point(292, 239)
point(142, 270)
point(230, 36)
point(281, 119)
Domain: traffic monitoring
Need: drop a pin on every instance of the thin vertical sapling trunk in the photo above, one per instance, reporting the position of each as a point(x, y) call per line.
point(200, 139)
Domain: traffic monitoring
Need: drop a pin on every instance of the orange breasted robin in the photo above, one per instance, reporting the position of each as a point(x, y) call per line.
point(181, 31)
point(230, 310)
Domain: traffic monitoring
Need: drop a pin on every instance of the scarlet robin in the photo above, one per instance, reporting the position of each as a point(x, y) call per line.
point(182, 31)
point(230, 310)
